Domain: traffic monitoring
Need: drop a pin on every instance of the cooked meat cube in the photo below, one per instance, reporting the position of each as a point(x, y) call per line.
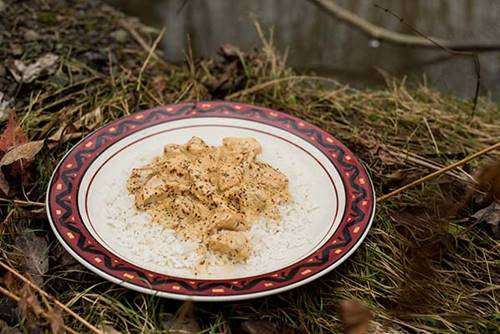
point(138, 177)
point(242, 145)
point(227, 220)
point(171, 149)
point(232, 243)
point(229, 176)
point(196, 145)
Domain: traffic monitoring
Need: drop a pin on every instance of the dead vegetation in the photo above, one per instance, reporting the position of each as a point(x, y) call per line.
point(421, 269)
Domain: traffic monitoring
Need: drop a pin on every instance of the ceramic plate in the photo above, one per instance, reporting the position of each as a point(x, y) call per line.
point(332, 191)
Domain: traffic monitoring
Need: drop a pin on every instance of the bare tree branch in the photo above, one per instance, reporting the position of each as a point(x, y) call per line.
point(385, 35)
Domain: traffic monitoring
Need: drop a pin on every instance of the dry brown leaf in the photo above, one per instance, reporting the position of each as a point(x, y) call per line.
point(489, 181)
point(26, 151)
point(12, 135)
point(355, 317)
point(24, 154)
point(184, 322)
point(35, 256)
point(46, 64)
point(90, 120)
point(29, 301)
point(490, 217)
point(56, 321)
point(65, 133)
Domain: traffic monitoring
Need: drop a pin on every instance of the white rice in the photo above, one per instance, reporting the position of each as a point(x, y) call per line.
point(157, 248)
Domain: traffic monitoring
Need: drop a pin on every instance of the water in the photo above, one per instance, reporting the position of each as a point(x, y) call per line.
point(315, 42)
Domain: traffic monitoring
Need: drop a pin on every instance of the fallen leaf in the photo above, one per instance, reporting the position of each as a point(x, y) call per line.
point(27, 73)
point(490, 217)
point(485, 192)
point(65, 133)
point(12, 135)
point(355, 317)
point(489, 181)
point(56, 321)
point(29, 301)
point(35, 256)
point(259, 327)
point(24, 154)
point(26, 151)
point(184, 322)
point(90, 120)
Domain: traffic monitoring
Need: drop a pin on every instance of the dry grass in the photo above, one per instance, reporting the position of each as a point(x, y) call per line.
point(417, 270)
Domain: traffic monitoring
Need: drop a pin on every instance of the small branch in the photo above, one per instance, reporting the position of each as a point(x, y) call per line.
point(276, 81)
point(65, 308)
point(20, 202)
point(142, 43)
point(150, 53)
point(382, 34)
point(439, 172)
point(418, 40)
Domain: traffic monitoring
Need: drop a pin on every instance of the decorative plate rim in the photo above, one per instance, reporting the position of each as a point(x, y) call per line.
point(64, 217)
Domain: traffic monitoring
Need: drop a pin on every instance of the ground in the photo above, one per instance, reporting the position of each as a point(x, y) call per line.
point(429, 263)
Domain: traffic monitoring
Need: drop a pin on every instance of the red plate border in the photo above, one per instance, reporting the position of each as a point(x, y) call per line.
point(64, 216)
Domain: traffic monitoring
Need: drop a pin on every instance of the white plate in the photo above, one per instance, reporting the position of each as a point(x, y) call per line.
point(91, 211)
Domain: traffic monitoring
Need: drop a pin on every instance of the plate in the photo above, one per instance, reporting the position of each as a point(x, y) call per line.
point(92, 215)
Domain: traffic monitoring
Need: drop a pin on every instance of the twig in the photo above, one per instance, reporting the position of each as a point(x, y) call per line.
point(451, 50)
point(420, 40)
point(17, 299)
point(65, 308)
point(275, 81)
point(439, 172)
point(142, 43)
point(416, 159)
point(20, 202)
point(432, 135)
point(382, 34)
point(151, 52)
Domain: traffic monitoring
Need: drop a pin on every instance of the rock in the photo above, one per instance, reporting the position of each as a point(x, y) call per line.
point(2, 5)
point(119, 35)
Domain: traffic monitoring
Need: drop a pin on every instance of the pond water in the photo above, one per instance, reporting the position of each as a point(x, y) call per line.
point(318, 43)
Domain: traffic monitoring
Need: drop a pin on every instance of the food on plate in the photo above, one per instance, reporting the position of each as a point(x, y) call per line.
point(211, 194)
